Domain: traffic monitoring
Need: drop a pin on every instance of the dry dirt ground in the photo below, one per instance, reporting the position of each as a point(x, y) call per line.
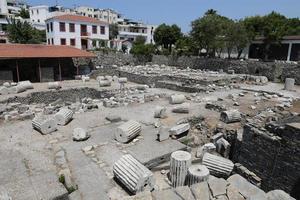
point(28, 168)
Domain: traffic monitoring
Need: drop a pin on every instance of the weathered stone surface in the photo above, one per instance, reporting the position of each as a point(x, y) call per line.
point(113, 118)
point(206, 148)
point(44, 124)
point(197, 174)
point(184, 108)
point(54, 85)
point(163, 134)
point(201, 191)
point(218, 166)
point(128, 131)
point(79, 134)
point(160, 112)
point(230, 116)
point(233, 193)
point(278, 195)
point(177, 99)
point(146, 195)
point(4, 90)
point(244, 187)
point(217, 186)
point(179, 129)
point(64, 116)
point(179, 164)
point(133, 175)
point(184, 192)
point(165, 194)
point(289, 84)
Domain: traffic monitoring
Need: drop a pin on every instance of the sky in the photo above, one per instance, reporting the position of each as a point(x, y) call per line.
point(182, 12)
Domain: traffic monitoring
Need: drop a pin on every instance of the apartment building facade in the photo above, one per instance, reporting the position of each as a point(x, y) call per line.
point(39, 14)
point(107, 15)
point(77, 31)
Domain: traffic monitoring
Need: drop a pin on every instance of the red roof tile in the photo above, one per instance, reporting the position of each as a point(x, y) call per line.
point(78, 18)
point(41, 51)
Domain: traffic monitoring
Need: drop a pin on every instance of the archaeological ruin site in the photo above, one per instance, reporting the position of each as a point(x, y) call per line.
point(153, 131)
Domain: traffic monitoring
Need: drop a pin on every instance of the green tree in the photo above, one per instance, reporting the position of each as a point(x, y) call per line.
point(208, 32)
point(235, 37)
point(140, 40)
point(113, 31)
point(24, 14)
point(166, 35)
point(24, 33)
point(186, 46)
point(143, 52)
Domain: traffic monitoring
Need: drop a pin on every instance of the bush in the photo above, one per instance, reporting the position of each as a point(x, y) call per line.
point(143, 52)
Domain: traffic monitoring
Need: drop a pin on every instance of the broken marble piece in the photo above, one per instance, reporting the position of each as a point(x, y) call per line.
point(133, 175)
point(217, 165)
point(64, 116)
point(179, 129)
point(196, 174)
point(79, 134)
point(179, 165)
point(44, 124)
point(177, 99)
point(128, 131)
point(160, 112)
point(230, 116)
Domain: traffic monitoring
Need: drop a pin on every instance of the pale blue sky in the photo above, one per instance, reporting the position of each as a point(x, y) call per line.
point(182, 12)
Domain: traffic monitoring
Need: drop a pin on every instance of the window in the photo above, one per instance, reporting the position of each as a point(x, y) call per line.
point(72, 42)
point(62, 27)
point(48, 41)
point(51, 26)
point(72, 27)
point(102, 30)
point(37, 11)
point(63, 41)
point(47, 27)
point(52, 41)
point(94, 28)
point(38, 20)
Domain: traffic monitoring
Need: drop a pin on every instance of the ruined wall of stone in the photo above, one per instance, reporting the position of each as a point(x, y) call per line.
point(275, 160)
point(274, 71)
point(71, 95)
point(107, 58)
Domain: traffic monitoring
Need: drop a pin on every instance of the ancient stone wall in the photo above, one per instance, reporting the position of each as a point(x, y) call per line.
point(274, 159)
point(71, 95)
point(275, 71)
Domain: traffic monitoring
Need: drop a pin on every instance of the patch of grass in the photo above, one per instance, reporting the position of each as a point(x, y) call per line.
point(61, 179)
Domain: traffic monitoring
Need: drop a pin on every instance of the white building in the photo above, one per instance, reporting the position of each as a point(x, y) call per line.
point(130, 30)
point(39, 14)
point(107, 15)
point(78, 31)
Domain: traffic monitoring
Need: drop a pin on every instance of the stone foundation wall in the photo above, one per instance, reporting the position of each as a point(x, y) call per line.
point(71, 95)
point(274, 159)
point(275, 71)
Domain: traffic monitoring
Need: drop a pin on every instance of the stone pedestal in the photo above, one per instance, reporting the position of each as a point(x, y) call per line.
point(26, 84)
point(63, 116)
point(179, 164)
point(217, 165)
point(128, 131)
point(197, 174)
point(289, 84)
point(230, 116)
point(133, 175)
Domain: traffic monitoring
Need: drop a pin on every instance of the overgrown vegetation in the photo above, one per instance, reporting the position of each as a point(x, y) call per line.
point(143, 52)
point(24, 33)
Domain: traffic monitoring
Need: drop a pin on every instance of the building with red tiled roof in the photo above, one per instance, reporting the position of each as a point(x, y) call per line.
point(78, 31)
point(39, 63)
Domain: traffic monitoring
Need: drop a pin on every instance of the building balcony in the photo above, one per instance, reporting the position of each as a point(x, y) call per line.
point(132, 33)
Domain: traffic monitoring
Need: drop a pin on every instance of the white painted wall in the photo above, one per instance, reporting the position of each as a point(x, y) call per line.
point(57, 35)
point(3, 7)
